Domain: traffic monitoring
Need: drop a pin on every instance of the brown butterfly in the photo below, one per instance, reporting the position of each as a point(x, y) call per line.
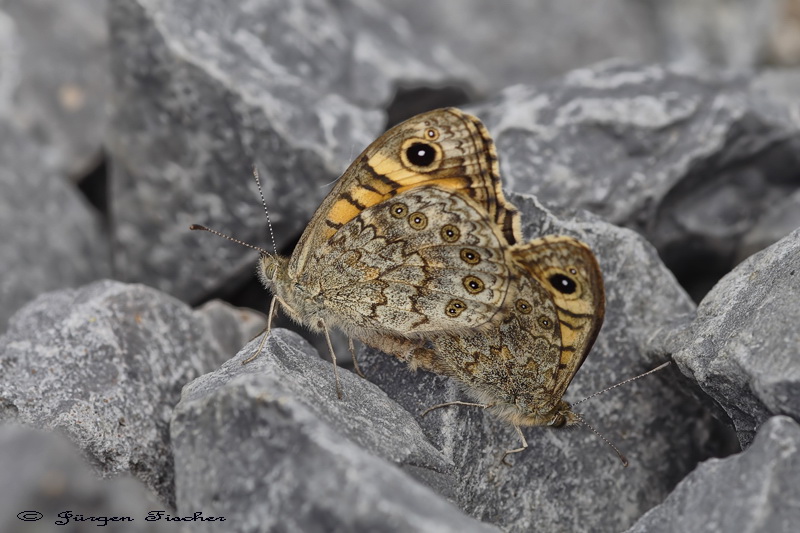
point(416, 252)
point(415, 246)
point(414, 239)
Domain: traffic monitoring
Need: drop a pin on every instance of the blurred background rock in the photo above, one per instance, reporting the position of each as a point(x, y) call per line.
point(124, 121)
point(68, 92)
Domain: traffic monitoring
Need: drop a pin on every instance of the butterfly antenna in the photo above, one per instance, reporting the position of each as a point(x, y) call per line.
point(264, 203)
point(602, 437)
point(198, 227)
point(621, 383)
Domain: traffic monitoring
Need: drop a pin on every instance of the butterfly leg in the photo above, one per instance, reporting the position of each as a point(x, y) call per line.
point(333, 359)
point(515, 450)
point(353, 355)
point(273, 310)
point(439, 405)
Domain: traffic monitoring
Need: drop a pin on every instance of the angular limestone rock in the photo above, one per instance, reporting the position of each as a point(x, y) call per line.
point(42, 478)
point(50, 238)
point(744, 347)
point(54, 73)
point(751, 492)
point(691, 162)
point(104, 365)
point(199, 97)
point(269, 446)
point(528, 41)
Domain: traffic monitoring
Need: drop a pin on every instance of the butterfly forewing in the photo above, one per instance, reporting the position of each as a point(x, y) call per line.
point(446, 147)
point(569, 271)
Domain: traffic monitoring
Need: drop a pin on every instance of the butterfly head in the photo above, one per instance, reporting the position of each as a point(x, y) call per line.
point(271, 269)
point(300, 301)
point(537, 412)
point(563, 416)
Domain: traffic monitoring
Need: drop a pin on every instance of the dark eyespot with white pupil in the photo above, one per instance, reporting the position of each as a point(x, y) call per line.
point(421, 155)
point(455, 308)
point(399, 210)
point(473, 284)
point(563, 284)
point(450, 233)
point(417, 220)
point(470, 256)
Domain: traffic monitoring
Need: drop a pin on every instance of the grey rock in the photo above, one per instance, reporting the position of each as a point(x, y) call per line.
point(56, 68)
point(736, 35)
point(781, 84)
point(780, 220)
point(525, 41)
point(293, 87)
point(49, 236)
point(104, 364)
point(662, 431)
point(9, 63)
point(268, 446)
point(751, 492)
point(387, 55)
point(42, 473)
point(228, 327)
point(744, 346)
point(692, 163)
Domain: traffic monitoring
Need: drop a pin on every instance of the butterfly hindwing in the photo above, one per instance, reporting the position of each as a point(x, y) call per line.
point(510, 366)
point(426, 261)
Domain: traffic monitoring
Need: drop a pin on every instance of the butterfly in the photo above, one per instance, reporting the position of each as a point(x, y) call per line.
point(415, 251)
point(414, 240)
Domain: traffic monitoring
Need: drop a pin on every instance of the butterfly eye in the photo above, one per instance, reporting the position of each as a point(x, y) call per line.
point(545, 322)
point(563, 284)
point(558, 421)
point(421, 155)
point(432, 134)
